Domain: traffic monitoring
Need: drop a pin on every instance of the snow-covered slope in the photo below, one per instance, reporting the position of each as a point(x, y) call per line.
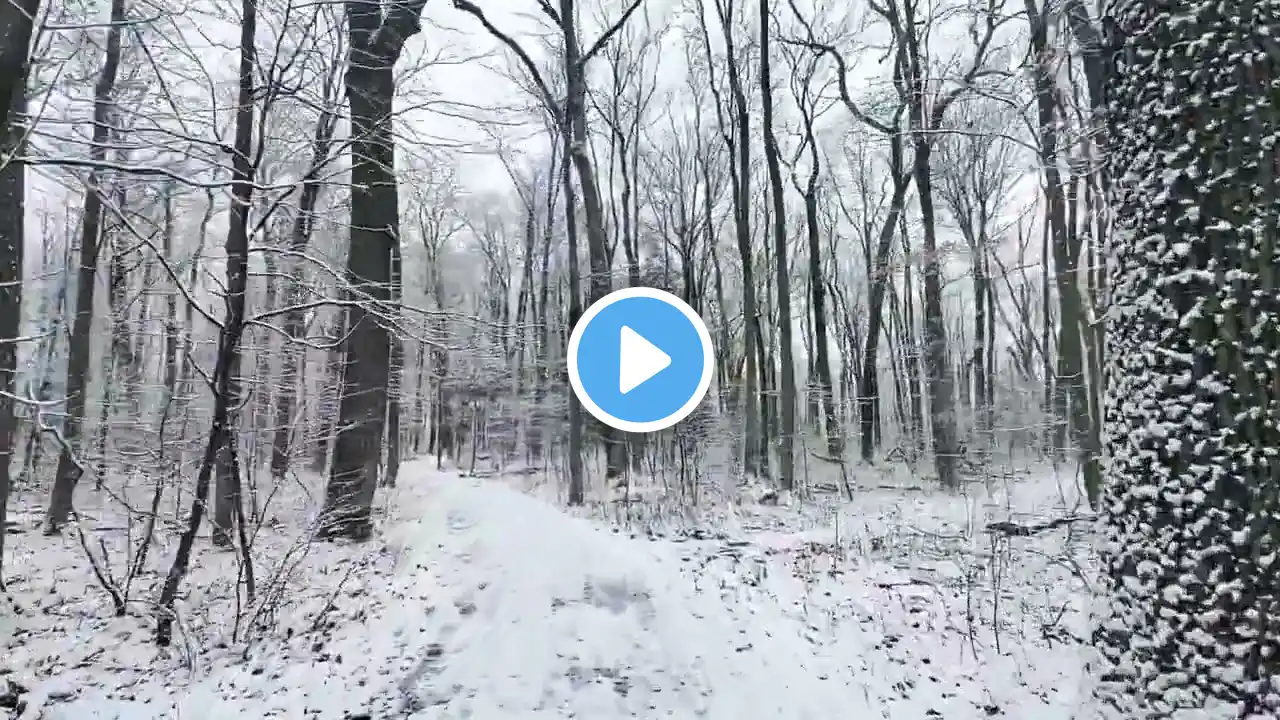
point(490, 604)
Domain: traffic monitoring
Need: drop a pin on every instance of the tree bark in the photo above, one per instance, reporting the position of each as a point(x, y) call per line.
point(1189, 516)
point(17, 23)
point(13, 193)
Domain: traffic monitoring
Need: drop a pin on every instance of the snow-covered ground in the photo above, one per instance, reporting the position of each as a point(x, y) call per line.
point(483, 601)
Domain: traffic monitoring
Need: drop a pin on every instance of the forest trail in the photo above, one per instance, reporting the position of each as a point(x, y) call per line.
point(483, 602)
point(555, 616)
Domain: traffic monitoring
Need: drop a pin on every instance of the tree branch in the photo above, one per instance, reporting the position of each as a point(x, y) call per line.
point(842, 71)
point(530, 67)
point(608, 34)
point(981, 46)
point(549, 11)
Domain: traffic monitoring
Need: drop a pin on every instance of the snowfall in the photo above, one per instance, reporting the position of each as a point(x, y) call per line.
point(483, 597)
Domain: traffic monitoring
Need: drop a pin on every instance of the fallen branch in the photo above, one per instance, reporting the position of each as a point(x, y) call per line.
point(1013, 529)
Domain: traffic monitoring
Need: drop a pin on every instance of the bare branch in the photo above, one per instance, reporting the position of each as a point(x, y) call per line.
point(608, 34)
point(474, 10)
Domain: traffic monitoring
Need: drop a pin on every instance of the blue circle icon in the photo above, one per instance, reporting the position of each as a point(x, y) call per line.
point(640, 360)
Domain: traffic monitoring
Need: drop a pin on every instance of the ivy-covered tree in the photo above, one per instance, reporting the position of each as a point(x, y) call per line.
point(1190, 623)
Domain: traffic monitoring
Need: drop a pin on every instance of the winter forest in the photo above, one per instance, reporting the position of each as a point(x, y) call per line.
point(286, 289)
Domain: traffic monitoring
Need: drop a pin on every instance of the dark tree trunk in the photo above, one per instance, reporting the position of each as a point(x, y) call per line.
point(69, 469)
point(787, 372)
point(1190, 516)
point(221, 433)
point(818, 297)
point(377, 34)
point(16, 27)
point(12, 243)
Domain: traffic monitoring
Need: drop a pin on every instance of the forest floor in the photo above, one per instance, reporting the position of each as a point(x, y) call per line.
point(481, 600)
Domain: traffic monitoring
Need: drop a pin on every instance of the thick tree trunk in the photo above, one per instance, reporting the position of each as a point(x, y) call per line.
point(1190, 519)
point(12, 245)
point(376, 40)
point(17, 23)
point(578, 151)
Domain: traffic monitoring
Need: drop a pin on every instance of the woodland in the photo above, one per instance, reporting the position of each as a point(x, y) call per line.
point(264, 247)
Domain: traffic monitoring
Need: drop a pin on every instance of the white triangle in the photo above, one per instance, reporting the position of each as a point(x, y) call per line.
point(638, 361)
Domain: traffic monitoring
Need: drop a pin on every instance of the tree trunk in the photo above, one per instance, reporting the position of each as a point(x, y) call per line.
point(577, 484)
point(910, 347)
point(376, 41)
point(1071, 390)
point(787, 391)
point(739, 145)
point(16, 26)
point(299, 238)
point(1189, 515)
point(68, 474)
point(542, 371)
point(818, 297)
point(578, 151)
point(938, 372)
point(228, 360)
point(12, 244)
point(396, 381)
point(981, 376)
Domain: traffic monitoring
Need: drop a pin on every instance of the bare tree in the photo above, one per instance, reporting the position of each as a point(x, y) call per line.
point(734, 125)
point(787, 397)
point(62, 498)
point(901, 177)
point(376, 36)
point(808, 99)
point(233, 324)
point(571, 119)
point(975, 176)
point(926, 116)
point(299, 240)
point(13, 191)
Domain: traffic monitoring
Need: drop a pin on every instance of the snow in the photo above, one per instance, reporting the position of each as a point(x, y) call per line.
point(481, 600)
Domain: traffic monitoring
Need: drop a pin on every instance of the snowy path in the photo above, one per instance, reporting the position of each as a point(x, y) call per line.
point(557, 616)
point(490, 604)
point(501, 607)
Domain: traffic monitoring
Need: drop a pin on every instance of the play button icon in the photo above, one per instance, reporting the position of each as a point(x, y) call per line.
point(640, 360)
